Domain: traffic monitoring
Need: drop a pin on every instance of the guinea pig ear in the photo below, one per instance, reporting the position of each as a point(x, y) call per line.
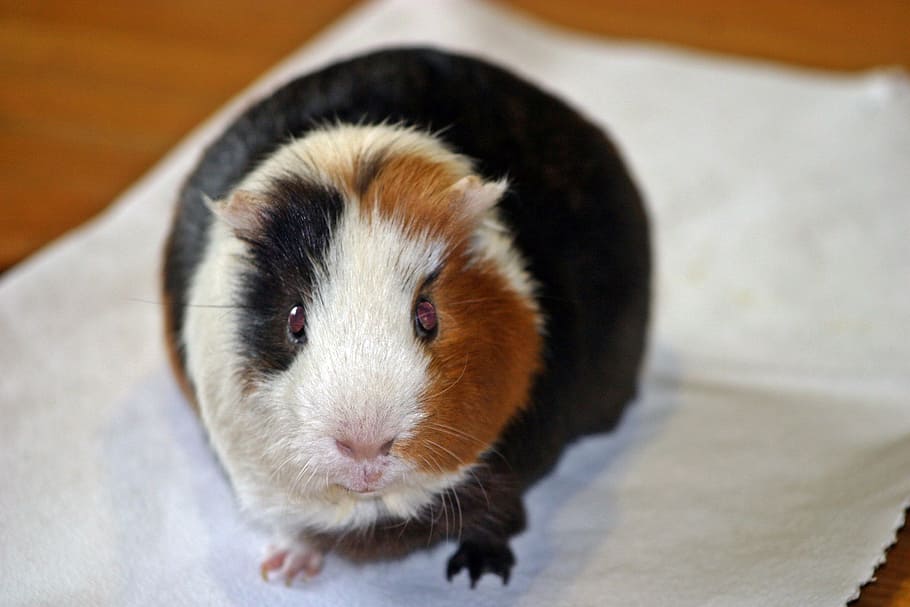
point(477, 196)
point(243, 211)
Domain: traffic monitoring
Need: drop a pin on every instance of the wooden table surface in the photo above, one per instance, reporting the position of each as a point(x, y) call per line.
point(95, 93)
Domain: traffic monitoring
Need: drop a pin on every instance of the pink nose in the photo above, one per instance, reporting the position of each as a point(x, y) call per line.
point(363, 450)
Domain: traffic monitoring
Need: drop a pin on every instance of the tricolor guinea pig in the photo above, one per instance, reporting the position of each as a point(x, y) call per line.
point(395, 290)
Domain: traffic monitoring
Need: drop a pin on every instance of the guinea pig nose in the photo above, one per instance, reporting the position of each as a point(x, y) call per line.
point(360, 450)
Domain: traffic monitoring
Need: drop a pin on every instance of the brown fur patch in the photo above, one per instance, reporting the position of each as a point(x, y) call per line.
point(416, 192)
point(488, 347)
point(482, 364)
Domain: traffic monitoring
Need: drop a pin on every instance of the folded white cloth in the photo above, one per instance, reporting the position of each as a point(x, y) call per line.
point(764, 464)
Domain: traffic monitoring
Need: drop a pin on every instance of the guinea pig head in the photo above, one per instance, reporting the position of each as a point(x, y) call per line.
point(386, 325)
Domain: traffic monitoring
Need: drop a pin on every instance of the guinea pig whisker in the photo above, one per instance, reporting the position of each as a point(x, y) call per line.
point(280, 467)
point(312, 475)
point(403, 525)
point(445, 511)
point(435, 517)
point(488, 449)
point(457, 501)
point(460, 513)
point(447, 505)
point(188, 305)
point(456, 432)
point(443, 449)
point(455, 492)
point(328, 480)
point(453, 384)
point(442, 513)
point(481, 487)
point(369, 531)
point(434, 464)
point(218, 306)
point(298, 480)
point(432, 523)
point(145, 301)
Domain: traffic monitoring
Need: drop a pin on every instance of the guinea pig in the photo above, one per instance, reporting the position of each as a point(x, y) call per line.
point(395, 290)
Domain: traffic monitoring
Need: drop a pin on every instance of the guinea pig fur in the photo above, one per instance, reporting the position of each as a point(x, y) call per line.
point(389, 331)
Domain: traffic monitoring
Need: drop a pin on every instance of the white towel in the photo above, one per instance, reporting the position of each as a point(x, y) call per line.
point(764, 464)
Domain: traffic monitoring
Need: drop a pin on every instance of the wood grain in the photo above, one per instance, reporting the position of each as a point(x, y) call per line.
point(95, 93)
point(831, 34)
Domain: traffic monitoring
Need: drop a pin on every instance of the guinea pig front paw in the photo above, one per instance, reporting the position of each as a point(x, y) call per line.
point(480, 558)
point(289, 558)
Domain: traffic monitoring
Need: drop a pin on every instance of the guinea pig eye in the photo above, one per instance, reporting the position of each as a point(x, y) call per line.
point(296, 323)
point(425, 319)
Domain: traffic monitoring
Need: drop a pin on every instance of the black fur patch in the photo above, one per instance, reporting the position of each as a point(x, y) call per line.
point(283, 257)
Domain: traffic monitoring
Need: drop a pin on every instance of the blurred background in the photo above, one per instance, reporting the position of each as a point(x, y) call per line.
point(94, 93)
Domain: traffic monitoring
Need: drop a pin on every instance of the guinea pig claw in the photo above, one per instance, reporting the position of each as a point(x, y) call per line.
point(480, 558)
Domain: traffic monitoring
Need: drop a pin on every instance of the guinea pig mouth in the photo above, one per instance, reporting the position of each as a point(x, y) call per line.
point(364, 481)
point(364, 489)
point(364, 493)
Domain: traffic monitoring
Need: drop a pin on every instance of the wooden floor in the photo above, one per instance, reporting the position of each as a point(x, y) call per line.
point(94, 93)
